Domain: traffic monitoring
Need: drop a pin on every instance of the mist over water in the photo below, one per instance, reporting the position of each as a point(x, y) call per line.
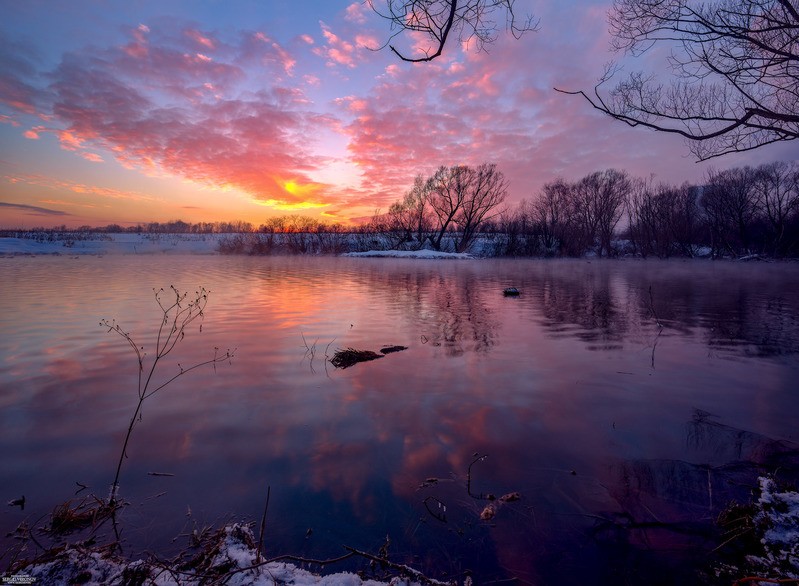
point(625, 401)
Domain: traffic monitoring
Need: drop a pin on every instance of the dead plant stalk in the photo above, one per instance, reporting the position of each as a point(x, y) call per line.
point(177, 315)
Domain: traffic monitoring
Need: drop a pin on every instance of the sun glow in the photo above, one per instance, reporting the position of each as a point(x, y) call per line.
point(289, 205)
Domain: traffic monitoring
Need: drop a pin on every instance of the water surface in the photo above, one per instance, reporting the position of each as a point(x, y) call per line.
point(626, 402)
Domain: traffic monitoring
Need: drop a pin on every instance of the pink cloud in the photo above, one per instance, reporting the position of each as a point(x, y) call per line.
point(75, 187)
point(5, 119)
point(34, 132)
point(266, 51)
point(256, 142)
point(500, 107)
point(355, 12)
point(16, 67)
point(339, 51)
point(200, 39)
point(92, 157)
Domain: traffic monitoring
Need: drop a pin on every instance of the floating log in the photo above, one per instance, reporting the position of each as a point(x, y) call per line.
point(390, 349)
point(511, 292)
point(350, 356)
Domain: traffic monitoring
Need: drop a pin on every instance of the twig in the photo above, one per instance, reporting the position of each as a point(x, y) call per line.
point(659, 325)
point(263, 525)
point(478, 458)
point(415, 574)
point(769, 580)
point(310, 352)
point(438, 516)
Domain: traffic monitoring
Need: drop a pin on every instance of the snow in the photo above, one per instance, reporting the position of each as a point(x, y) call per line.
point(778, 515)
point(235, 558)
point(89, 243)
point(102, 244)
point(428, 254)
point(231, 556)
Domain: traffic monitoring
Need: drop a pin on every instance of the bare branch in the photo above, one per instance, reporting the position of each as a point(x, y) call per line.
point(736, 70)
point(437, 20)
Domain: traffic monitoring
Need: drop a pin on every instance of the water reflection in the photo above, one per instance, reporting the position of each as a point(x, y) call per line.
point(556, 387)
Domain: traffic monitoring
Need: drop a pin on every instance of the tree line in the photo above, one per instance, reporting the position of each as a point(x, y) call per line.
point(734, 212)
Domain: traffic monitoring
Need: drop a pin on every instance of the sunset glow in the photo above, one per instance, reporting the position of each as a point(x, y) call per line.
point(153, 112)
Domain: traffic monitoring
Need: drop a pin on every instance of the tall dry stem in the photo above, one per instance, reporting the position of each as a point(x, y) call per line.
point(178, 311)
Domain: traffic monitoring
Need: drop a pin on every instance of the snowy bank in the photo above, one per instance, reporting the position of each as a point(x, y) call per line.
point(102, 244)
point(429, 254)
point(91, 243)
point(229, 557)
point(66, 243)
point(777, 520)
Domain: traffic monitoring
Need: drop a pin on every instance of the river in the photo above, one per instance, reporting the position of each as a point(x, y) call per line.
point(618, 406)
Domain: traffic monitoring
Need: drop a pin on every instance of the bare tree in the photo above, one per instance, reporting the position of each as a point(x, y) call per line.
point(466, 20)
point(597, 206)
point(736, 69)
point(777, 189)
point(731, 207)
point(552, 213)
point(457, 198)
point(449, 187)
point(411, 215)
point(486, 190)
point(642, 217)
point(662, 219)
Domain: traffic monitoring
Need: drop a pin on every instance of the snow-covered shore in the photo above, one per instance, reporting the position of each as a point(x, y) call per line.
point(100, 244)
point(230, 558)
point(428, 254)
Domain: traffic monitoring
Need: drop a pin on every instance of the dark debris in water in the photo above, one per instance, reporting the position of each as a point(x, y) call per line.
point(391, 349)
point(350, 357)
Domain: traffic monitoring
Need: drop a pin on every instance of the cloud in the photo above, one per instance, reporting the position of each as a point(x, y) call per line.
point(168, 110)
point(34, 210)
point(76, 187)
point(470, 107)
point(355, 12)
point(202, 41)
point(339, 51)
point(267, 52)
point(17, 75)
point(92, 157)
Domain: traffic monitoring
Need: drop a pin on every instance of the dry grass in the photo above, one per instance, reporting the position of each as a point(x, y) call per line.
point(69, 517)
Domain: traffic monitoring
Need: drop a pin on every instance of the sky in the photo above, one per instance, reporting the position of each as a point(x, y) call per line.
point(120, 112)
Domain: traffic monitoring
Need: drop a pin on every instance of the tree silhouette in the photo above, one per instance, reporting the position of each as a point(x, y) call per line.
point(735, 63)
point(468, 20)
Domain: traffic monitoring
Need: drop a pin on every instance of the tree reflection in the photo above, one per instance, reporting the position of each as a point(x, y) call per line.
point(451, 307)
point(738, 309)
